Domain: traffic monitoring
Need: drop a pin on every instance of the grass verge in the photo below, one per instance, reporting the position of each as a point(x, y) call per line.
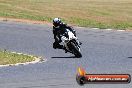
point(7, 58)
point(88, 13)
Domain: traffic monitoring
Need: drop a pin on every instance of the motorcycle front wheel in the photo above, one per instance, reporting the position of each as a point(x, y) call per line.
point(76, 51)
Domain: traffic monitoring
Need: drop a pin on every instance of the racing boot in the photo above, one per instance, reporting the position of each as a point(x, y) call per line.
point(56, 45)
point(80, 43)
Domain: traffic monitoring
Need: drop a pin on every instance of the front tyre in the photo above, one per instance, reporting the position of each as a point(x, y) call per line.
point(76, 51)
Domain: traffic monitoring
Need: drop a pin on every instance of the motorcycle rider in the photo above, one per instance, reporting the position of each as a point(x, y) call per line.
point(59, 28)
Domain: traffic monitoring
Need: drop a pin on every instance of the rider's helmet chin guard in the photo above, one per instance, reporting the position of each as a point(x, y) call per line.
point(56, 22)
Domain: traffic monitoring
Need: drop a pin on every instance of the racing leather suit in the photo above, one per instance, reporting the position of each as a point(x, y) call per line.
point(58, 31)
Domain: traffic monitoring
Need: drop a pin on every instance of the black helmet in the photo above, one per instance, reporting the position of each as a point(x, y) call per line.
point(56, 22)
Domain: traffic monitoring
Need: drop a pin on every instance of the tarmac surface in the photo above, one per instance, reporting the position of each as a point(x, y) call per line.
point(103, 52)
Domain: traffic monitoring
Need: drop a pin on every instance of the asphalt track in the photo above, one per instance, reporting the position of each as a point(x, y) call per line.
point(103, 52)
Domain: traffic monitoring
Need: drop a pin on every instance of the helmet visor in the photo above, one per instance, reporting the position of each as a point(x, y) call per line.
point(56, 24)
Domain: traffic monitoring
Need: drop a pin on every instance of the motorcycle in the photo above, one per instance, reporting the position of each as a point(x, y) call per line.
point(71, 43)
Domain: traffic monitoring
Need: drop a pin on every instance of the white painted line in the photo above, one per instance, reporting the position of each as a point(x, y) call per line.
point(80, 27)
point(37, 60)
point(120, 30)
point(109, 29)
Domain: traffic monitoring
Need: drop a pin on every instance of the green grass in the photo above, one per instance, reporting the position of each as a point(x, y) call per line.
point(7, 57)
point(88, 13)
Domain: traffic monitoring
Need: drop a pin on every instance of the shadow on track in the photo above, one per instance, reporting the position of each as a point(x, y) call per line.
point(64, 57)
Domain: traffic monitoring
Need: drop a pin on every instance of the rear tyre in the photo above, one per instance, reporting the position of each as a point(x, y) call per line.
point(54, 45)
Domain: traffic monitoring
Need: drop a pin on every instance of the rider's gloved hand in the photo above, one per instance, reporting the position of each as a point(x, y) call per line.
point(65, 34)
